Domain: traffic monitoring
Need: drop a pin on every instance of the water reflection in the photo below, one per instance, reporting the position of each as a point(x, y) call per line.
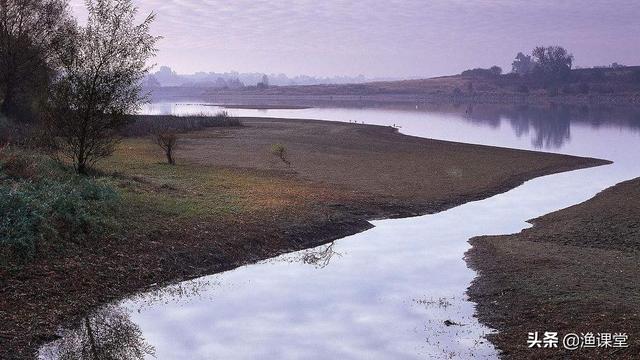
point(318, 257)
point(549, 128)
point(544, 127)
point(108, 333)
point(550, 125)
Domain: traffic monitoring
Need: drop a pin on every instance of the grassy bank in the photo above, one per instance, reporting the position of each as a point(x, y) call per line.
point(47, 208)
point(575, 271)
point(229, 201)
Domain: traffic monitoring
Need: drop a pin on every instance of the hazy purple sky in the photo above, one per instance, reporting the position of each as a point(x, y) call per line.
point(397, 38)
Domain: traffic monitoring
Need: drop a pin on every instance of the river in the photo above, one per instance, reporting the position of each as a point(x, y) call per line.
point(387, 293)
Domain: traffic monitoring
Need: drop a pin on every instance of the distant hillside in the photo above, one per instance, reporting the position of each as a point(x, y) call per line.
point(592, 84)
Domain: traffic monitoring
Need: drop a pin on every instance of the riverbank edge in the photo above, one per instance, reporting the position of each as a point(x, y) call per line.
point(417, 98)
point(297, 237)
point(502, 286)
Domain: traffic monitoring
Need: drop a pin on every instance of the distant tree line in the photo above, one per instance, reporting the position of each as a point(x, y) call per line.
point(493, 71)
point(551, 68)
point(549, 63)
point(165, 76)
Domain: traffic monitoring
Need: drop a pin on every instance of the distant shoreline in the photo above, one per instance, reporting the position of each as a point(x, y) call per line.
point(583, 86)
point(286, 101)
point(261, 107)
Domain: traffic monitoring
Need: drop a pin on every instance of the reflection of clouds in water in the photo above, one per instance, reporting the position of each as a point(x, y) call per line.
point(357, 306)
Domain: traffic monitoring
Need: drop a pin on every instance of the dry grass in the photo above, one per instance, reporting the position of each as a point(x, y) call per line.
point(190, 190)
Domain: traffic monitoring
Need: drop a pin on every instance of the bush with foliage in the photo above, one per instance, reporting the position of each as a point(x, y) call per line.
point(493, 71)
point(43, 204)
point(280, 151)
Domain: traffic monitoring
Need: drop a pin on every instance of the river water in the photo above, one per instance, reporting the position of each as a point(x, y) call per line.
point(386, 293)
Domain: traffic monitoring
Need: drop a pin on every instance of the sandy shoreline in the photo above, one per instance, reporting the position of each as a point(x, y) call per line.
point(341, 175)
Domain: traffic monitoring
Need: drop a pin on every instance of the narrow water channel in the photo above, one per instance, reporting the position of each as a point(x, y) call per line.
point(386, 293)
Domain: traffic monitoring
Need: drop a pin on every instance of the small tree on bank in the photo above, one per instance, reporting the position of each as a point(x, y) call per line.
point(100, 81)
point(167, 140)
point(280, 151)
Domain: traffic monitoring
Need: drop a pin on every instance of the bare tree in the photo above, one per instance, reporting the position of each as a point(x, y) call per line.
point(167, 139)
point(30, 33)
point(100, 81)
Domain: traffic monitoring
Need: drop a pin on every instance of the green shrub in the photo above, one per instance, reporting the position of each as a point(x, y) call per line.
point(21, 225)
point(56, 209)
point(280, 151)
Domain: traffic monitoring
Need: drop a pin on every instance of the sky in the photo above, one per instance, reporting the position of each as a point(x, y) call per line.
point(393, 38)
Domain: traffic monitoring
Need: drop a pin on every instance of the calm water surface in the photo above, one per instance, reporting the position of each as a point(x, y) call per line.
point(381, 294)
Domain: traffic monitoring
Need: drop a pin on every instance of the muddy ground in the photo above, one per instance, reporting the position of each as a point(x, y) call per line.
point(417, 174)
point(575, 271)
point(230, 201)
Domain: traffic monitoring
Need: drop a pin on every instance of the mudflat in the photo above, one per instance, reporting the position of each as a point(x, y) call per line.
point(420, 175)
point(575, 271)
point(230, 201)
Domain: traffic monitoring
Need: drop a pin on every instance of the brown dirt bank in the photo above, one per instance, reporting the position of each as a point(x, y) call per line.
point(420, 175)
point(575, 271)
point(230, 202)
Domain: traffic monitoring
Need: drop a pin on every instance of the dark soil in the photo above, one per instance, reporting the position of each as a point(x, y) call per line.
point(575, 271)
point(341, 175)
